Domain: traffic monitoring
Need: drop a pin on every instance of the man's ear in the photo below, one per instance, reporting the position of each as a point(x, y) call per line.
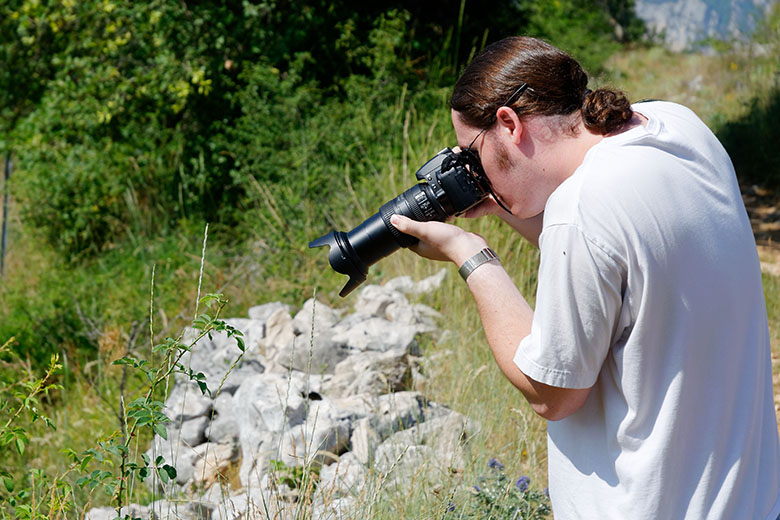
point(509, 122)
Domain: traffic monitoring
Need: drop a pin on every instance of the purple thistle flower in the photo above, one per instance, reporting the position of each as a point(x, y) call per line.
point(477, 488)
point(451, 507)
point(495, 464)
point(522, 484)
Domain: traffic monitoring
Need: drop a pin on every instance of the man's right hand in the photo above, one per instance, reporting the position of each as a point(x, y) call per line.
point(439, 240)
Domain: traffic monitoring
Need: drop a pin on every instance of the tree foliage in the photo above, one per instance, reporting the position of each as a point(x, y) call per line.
point(122, 116)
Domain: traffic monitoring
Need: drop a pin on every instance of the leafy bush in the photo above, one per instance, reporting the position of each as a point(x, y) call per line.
point(116, 141)
point(752, 141)
point(31, 494)
point(590, 33)
point(123, 125)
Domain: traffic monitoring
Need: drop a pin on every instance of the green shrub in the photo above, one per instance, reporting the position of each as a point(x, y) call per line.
point(752, 141)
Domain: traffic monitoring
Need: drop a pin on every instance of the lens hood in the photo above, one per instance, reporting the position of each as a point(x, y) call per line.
point(342, 259)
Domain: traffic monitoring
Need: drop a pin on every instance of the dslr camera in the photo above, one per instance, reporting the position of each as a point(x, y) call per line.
point(450, 183)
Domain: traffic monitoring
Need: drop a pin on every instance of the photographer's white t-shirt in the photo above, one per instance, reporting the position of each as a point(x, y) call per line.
point(650, 292)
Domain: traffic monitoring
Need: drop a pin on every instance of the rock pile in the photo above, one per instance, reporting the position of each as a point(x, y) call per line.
point(319, 405)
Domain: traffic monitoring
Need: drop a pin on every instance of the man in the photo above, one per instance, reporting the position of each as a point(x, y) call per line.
point(648, 349)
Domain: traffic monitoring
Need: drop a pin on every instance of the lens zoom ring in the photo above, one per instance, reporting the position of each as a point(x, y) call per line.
point(403, 239)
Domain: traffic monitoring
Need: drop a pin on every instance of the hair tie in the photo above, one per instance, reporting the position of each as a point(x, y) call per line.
point(586, 93)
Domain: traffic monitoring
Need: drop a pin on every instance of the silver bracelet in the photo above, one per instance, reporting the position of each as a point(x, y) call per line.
point(484, 256)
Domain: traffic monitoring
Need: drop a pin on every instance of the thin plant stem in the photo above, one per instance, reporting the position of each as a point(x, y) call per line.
point(202, 263)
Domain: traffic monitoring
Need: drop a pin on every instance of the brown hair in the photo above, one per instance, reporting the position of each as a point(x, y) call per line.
point(557, 85)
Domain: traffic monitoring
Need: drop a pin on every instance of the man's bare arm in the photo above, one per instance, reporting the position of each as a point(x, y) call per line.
point(505, 314)
point(506, 318)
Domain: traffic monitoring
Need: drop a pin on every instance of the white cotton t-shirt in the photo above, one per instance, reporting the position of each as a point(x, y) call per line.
point(650, 292)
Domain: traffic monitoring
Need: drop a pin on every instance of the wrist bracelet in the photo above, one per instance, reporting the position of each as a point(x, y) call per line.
point(486, 255)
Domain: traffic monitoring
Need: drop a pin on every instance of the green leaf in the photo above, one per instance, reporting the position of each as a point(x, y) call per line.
point(160, 430)
point(127, 360)
point(9, 484)
point(20, 444)
point(144, 418)
point(170, 470)
point(84, 463)
point(210, 298)
point(117, 449)
point(49, 423)
point(137, 402)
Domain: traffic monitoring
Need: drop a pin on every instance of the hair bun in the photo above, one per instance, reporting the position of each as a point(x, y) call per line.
point(605, 110)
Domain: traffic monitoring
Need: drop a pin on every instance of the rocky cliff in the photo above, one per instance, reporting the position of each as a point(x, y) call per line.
point(685, 23)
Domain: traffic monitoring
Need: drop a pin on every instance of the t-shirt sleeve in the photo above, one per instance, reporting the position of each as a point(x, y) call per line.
point(578, 303)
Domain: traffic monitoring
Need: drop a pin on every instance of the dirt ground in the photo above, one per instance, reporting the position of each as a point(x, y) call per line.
point(763, 208)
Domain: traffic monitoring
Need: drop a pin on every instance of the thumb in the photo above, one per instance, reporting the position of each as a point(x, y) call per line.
point(402, 223)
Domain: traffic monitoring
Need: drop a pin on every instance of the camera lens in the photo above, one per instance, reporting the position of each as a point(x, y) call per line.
point(449, 189)
point(354, 252)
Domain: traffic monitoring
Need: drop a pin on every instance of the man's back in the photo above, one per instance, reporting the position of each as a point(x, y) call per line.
point(650, 288)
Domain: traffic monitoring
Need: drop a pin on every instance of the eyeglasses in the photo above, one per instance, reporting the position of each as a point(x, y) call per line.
point(482, 178)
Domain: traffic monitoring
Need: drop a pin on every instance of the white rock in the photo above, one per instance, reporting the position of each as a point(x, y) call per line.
point(211, 461)
point(336, 509)
point(319, 440)
point(403, 464)
point(445, 434)
point(178, 510)
point(264, 311)
point(342, 478)
point(393, 412)
point(279, 331)
point(374, 333)
point(190, 433)
point(175, 453)
point(374, 299)
point(370, 372)
point(243, 505)
point(317, 356)
point(186, 402)
point(317, 312)
point(109, 513)
point(223, 427)
point(264, 406)
point(430, 284)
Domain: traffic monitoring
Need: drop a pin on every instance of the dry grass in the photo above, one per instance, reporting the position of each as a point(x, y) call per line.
point(717, 87)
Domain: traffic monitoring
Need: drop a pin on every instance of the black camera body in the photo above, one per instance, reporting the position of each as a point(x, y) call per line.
point(451, 183)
